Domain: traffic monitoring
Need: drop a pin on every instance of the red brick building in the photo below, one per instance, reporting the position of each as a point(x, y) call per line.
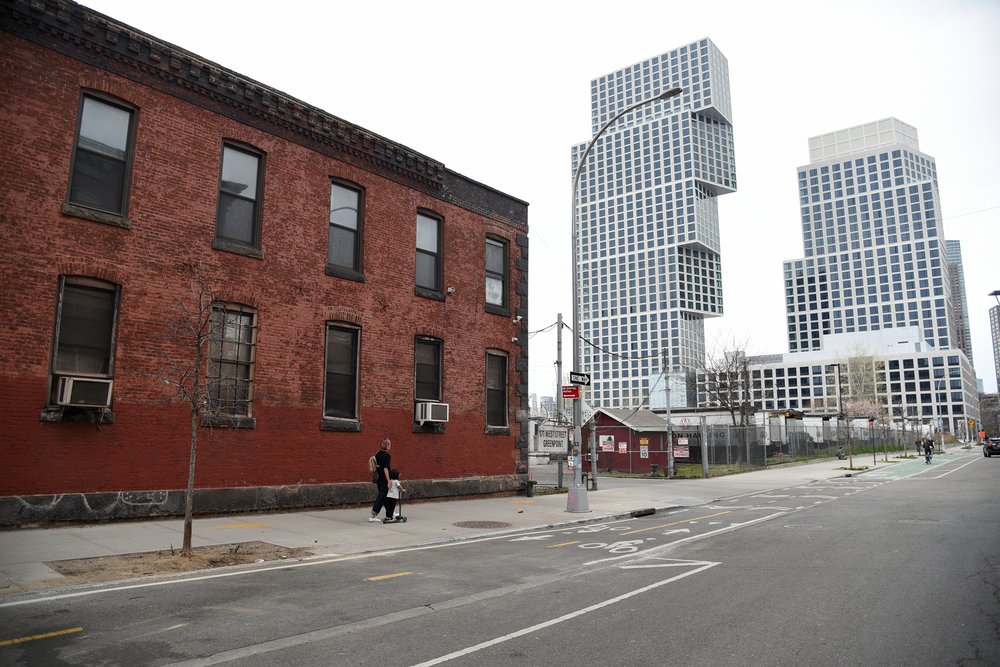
point(357, 289)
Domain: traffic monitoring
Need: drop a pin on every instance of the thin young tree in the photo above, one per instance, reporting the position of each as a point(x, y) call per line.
point(189, 334)
point(861, 397)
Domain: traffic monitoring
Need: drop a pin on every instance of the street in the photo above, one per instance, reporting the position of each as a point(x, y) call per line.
point(899, 566)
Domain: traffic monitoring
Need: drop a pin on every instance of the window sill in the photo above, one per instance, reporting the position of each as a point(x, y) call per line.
point(228, 421)
point(429, 293)
point(342, 425)
point(497, 430)
point(103, 217)
point(497, 310)
point(59, 414)
point(237, 248)
point(344, 272)
point(430, 427)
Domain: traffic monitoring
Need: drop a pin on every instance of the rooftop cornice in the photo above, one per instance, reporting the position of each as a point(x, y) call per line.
point(100, 41)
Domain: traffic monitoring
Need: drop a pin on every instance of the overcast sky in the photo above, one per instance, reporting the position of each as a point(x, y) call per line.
point(499, 92)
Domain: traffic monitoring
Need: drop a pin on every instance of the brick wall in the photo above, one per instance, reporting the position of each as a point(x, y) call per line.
point(172, 206)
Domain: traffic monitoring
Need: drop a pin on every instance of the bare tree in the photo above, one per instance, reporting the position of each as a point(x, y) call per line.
point(189, 334)
point(860, 397)
point(727, 381)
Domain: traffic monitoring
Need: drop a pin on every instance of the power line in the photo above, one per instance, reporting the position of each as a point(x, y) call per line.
point(532, 333)
point(609, 352)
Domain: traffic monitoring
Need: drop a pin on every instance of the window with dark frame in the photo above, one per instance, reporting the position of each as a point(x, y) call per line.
point(238, 217)
point(496, 273)
point(496, 390)
point(102, 156)
point(85, 330)
point(346, 214)
point(428, 252)
point(340, 390)
point(229, 377)
point(427, 369)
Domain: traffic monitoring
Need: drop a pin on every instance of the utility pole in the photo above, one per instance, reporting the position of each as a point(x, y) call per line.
point(670, 436)
point(559, 373)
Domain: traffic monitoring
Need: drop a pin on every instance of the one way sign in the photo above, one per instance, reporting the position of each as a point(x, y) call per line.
point(580, 378)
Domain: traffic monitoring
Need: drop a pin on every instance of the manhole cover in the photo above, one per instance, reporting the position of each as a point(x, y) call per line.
point(482, 524)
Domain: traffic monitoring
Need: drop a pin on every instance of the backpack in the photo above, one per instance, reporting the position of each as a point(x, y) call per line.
point(373, 468)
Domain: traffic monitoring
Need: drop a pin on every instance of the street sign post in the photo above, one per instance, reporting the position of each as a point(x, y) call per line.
point(570, 391)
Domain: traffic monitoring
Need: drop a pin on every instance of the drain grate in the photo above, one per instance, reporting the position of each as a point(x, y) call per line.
point(482, 524)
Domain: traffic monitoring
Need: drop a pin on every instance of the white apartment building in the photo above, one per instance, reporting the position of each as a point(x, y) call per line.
point(647, 249)
point(875, 282)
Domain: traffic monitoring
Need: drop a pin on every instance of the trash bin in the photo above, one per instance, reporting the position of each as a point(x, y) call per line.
point(529, 488)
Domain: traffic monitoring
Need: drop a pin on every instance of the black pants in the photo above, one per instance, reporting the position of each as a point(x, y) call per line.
point(380, 498)
point(390, 507)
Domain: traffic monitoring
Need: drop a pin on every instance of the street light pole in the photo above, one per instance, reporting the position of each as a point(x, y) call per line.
point(576, 501)
point(938, 420)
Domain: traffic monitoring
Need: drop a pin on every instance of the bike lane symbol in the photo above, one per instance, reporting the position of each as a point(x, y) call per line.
point(622, 547)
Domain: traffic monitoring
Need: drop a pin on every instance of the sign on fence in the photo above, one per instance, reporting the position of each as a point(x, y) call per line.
point(553, 439)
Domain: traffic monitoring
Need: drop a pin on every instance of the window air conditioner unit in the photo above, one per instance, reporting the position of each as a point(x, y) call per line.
point(84, 392)
point(432, 412)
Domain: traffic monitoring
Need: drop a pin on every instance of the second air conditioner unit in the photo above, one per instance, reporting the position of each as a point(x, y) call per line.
point(431, 412)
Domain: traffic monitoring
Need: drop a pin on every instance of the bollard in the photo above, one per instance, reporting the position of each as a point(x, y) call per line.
point(529, 489)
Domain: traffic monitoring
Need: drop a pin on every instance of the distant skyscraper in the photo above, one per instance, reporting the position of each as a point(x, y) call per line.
point(875, 280)
point(648, 227)
point(874, 248)
point(995, 329)
point(963, 333)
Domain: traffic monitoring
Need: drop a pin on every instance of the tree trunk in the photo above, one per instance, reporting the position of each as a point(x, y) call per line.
point(189, 496)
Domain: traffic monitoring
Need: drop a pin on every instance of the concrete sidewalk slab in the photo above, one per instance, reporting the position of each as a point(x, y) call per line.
point(24, 552)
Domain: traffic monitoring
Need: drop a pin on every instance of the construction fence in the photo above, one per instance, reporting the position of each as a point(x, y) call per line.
point(752, 447)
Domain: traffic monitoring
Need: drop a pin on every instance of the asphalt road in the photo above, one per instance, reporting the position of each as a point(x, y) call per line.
point(895, 568)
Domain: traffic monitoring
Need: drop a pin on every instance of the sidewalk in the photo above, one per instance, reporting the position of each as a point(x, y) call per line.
point(23, 553)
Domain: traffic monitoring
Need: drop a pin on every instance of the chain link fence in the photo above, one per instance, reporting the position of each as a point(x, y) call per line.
point(742, 448)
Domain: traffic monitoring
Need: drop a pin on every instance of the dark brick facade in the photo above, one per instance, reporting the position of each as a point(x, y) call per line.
point(133, 461)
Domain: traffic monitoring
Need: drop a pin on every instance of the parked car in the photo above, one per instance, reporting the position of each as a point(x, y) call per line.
point(991, 447)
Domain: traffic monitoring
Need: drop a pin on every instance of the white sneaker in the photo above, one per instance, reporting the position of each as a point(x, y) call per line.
point(374, 519)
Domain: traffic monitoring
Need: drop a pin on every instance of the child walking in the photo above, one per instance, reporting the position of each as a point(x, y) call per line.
point(395, 488)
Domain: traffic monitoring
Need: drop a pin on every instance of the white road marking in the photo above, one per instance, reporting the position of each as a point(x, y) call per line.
point(561, 619)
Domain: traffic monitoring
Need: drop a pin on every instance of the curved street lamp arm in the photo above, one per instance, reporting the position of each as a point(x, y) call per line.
point(673, 92)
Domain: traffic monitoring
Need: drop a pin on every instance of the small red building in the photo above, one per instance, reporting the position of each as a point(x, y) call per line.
point(352, 289)
point(630, 441)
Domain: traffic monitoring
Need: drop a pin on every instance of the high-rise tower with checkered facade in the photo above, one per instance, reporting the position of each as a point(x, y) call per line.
point(648, 246)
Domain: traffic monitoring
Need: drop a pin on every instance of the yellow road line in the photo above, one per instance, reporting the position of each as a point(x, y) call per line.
point(383, 577)
point(46, 635)
point(565, 544)
point(688, 520)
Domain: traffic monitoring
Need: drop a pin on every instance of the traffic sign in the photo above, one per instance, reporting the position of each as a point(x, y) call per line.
point(570, 391)
point(580, 378)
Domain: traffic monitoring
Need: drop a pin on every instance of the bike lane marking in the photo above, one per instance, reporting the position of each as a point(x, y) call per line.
point(561, 619)
point(674, 523)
